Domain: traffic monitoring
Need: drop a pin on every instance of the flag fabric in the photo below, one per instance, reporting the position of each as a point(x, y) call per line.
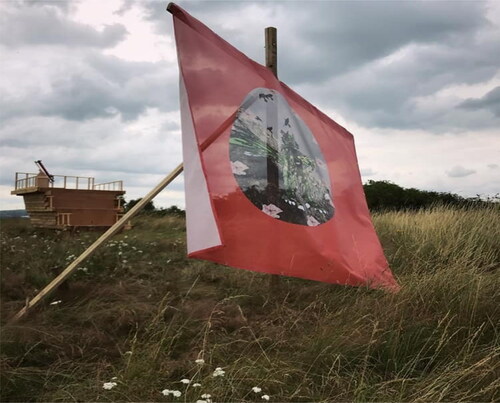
point(272, 184)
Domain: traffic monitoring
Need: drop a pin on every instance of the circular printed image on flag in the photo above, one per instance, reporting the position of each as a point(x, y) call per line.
point(278, 163)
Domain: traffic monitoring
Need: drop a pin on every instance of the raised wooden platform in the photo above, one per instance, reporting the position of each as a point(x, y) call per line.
point(69, 201)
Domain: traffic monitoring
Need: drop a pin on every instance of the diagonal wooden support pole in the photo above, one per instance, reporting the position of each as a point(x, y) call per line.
point(92, 248)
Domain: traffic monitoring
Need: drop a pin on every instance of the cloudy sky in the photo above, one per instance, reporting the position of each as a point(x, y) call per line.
point(91, 87)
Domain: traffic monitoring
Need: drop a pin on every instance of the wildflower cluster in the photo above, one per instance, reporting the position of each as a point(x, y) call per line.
point(174, 393)
point(257, 389)
point(218, 372)
point(110, 385)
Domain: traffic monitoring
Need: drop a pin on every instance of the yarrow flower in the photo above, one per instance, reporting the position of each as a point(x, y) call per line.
point(196, 385)
point(265, 397)
point(175, 393)
point(256, 389)
point(200, 361)
point(271, 210)
point(218, 372)
point(109, 385)
point(206, 396)
point(238, 168)
point(186, 381)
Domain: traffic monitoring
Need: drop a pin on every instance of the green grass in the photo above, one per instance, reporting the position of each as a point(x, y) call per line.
point(142, 312)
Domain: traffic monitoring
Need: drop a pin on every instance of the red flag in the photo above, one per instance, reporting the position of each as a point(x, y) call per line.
point(272, 184)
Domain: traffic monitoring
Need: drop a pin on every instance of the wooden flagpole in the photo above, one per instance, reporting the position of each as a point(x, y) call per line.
point(271, 39)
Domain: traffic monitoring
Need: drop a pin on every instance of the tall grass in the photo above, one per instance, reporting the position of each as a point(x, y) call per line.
point(146, 320)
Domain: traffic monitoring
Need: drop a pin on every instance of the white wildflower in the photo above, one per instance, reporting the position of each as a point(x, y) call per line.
point(175, 393)
point(55, 302)
point(206, 396)
point(265, 397)
point(201, 401)
point(196, 385)
point(218, 372)
point(109, 385)
point(185, 381)
point(256, 389)
point(200, 361)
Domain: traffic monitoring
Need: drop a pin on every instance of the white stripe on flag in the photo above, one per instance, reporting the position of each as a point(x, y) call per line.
point(202, 231)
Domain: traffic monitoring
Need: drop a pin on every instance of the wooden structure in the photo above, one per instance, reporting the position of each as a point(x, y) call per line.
point(56, 201)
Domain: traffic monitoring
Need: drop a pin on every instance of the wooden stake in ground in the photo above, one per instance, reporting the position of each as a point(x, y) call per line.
point(271, 38)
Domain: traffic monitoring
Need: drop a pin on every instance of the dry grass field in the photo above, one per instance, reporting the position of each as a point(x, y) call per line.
point(139, 314)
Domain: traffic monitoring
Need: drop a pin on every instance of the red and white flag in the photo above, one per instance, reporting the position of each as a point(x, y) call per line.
point(272, 184)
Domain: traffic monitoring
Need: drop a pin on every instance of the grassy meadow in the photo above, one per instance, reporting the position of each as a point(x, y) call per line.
point(139, 314)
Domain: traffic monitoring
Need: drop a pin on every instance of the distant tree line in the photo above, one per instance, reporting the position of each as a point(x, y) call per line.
point(380, 195)
point(385, 195)
point(150, 209)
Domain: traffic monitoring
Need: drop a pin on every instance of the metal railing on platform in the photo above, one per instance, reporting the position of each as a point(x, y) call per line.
point(115, 185)
point(30, 180)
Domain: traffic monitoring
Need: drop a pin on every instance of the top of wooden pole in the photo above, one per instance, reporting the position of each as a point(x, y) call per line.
point(170, 7)
point(272, 50)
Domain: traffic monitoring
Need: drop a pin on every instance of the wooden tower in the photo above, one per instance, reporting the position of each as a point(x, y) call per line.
point(56, 201)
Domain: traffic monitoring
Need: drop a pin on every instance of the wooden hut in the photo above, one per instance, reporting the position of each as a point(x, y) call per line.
point(57, 201)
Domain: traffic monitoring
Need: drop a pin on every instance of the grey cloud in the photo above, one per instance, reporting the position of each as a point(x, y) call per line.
point(321, 39)
point(21, 26)
point(493, 166)
point(459, 171)
point(62, 6)
point(490, 101)
point(372, 61)
point(96, 86)
point(389, 93)
point(347, 35)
